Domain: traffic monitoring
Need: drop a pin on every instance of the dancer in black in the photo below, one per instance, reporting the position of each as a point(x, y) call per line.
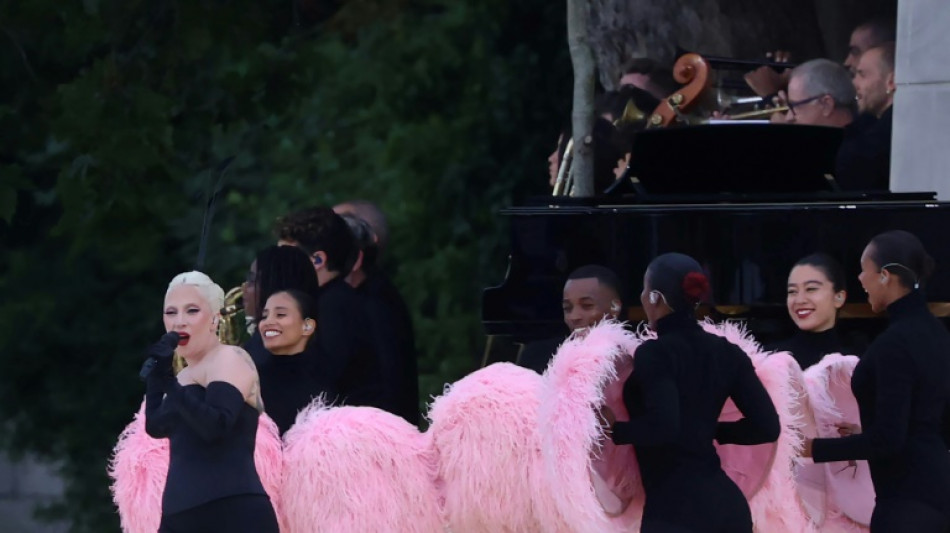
point(816, 291)
point(680, 382)
point(291, 378)
point(289, 371)
point(209, 413)
point(902, 385)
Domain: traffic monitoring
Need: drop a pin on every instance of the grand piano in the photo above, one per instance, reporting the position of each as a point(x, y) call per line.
point(747, 215)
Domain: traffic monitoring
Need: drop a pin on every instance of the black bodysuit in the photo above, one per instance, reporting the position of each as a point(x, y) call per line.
point(675, 395)
point(288, 382)
point(902, 385)
point(212, 482)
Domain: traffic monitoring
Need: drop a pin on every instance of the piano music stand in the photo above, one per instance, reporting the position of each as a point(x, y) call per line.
point(731, 159)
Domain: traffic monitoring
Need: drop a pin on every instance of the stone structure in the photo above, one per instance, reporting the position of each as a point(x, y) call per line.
point(23, 486)
point(921, 140)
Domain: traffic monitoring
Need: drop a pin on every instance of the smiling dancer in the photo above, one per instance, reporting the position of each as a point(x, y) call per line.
point(816, 291)
point(902, 387)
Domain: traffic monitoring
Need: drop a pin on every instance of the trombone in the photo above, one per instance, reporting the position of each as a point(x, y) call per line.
point(564, 184)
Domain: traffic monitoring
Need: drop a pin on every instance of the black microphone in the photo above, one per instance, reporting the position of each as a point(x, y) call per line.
point(170, 339)
point(166, 344)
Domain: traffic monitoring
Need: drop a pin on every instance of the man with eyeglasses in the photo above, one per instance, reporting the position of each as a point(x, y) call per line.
point(821, 93)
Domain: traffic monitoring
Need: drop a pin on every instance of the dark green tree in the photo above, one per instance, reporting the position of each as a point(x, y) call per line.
point(117, 119)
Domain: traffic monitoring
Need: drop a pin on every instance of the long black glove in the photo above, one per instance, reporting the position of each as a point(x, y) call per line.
point(160, 355)
point(158, 375)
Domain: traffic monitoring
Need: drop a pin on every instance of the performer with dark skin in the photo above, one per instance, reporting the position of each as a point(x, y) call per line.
point(591, 294)
point(680, 383)
point(902, 385)
point(209, 413)
point(816, 292)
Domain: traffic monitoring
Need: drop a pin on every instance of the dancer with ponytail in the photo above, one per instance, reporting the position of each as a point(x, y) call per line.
point(675, 395)
point(902, 387)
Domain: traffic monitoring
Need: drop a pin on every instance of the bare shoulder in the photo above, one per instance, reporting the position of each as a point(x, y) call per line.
point(233, 364)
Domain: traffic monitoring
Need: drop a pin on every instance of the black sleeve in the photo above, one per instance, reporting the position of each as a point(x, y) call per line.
point(211, 416)
point(894, 383)
point(760, 421)
point(157, 415)
point(337, 323)
point(660, 422)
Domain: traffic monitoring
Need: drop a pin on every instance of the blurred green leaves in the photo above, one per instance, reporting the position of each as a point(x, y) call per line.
point(441, 112)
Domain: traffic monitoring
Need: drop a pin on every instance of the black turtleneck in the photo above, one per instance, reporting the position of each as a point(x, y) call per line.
point(809, 347)
point(288, 382)
point(680, 382)
point(863, 162)
point(902, 385)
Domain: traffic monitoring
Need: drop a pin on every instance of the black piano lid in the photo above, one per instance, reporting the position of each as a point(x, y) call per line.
point(739, 158)
point(746, 200)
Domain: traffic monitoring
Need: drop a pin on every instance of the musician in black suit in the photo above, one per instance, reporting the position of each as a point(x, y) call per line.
point(864, 159)
point(902, 385)
point(390, 323)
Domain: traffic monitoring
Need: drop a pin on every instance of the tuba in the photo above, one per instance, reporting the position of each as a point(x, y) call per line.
point(231, 328)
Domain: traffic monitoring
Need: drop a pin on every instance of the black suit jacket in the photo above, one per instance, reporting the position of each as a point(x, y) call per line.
point(864, 158)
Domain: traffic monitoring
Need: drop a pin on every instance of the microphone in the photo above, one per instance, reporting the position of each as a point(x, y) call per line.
point(170, 340)
point(165, 347)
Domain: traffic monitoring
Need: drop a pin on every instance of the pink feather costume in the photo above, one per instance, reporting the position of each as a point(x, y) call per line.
point(356, 469)
point(139, 467)
point(844, 498)
point(485, 433)
point(596, 485)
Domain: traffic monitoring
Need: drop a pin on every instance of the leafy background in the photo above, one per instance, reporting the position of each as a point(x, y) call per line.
point(117, 117)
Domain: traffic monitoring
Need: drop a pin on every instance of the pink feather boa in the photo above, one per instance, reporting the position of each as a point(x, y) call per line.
point(349, 469)
point(848, 491)
point(587, 372)
point(139, 466)
point(485, 433)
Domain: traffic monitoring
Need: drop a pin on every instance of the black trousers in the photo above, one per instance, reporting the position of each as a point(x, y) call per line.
point(907, 516)
point(249, 513)
point(691, 501)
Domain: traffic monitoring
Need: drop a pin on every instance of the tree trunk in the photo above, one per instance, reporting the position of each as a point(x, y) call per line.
point(582, 116)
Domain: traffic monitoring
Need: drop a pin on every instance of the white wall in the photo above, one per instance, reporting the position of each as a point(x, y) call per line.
point(920, 157)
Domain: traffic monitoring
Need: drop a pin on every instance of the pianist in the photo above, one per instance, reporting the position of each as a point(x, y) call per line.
point(591, 293)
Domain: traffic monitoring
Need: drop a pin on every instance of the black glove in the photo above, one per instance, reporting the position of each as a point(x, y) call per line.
point(160, 355)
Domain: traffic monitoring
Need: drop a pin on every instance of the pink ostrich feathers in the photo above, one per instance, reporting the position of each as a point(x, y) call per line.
point(849, 493)
point(595, 485)
point(356, 469)
point(765, 472)
point(485, 433)
point(139, 466)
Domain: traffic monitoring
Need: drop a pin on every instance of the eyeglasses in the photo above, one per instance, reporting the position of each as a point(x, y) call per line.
point(792, 105)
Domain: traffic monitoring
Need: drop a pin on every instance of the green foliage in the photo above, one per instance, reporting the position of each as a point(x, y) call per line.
point(117, 118)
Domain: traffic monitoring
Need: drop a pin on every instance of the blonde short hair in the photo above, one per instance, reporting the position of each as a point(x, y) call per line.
point(209, 290)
